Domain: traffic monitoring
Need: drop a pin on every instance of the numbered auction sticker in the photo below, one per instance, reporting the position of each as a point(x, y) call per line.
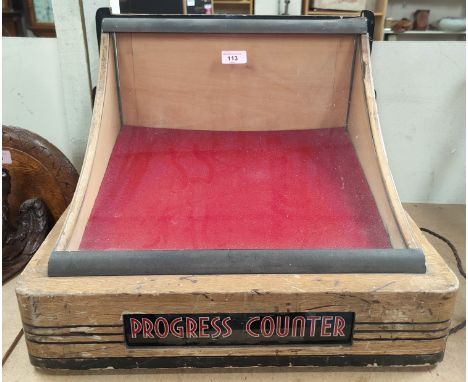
point(234, 57)
point(6, 157)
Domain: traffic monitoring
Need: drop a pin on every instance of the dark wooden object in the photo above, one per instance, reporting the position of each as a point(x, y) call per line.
point(21, 242)
point(11, 18)
point(37, 187)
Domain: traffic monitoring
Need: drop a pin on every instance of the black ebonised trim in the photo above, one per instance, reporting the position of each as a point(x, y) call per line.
point(401, 322)
point(370, 18)
point(401, 331)
point(74, 334)
point(121, 324)
point(60, 343)
point(378, 339)
point(214, 262)
point(101, 13)
point(209, 362)
point(74, 326)
point(234, 24)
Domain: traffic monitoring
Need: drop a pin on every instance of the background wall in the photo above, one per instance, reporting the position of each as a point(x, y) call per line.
point(47, 82)
point(32, 89)
point(75, 73)
point(89, 17)
point(271, 7)
point(421, 99)
point(420, 85)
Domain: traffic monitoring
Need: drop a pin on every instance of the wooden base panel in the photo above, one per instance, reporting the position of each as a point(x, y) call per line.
point(77, 322)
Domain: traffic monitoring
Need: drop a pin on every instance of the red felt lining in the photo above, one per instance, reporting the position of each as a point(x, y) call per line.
point(181, 189)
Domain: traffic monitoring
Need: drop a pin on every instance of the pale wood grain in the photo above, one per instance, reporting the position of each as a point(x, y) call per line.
point(289, 81)
point(105, 125)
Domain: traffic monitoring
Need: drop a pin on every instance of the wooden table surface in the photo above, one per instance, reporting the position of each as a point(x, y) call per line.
point(448, 220)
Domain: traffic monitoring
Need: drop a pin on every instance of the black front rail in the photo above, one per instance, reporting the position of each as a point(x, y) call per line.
point(214, 262)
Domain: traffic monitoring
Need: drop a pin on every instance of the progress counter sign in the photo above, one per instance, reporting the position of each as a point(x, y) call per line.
point(238, 329)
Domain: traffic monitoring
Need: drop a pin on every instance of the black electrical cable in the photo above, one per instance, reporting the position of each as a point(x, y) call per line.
point(452, 247)
point(12, 346)
point(462, 324)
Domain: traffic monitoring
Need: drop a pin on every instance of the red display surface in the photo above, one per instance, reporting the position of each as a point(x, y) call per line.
point(181, 189)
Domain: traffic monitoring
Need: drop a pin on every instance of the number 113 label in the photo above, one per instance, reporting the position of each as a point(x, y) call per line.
point(234, 57)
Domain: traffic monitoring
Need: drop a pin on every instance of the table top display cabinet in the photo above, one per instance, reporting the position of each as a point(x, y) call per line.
point(235, 208)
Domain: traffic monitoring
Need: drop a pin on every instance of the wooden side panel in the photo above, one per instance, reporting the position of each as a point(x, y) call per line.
point(364, 131)
point(288, 82)
point(404, 225)
point(105, 125)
